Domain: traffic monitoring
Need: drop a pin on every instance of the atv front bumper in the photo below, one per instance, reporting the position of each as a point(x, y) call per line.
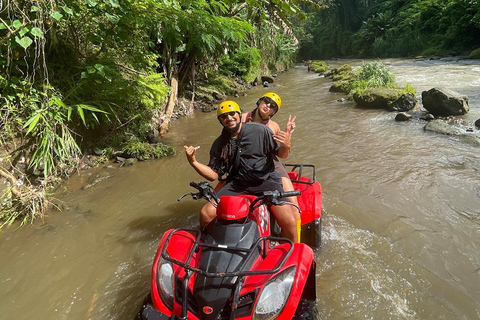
point(148, 312)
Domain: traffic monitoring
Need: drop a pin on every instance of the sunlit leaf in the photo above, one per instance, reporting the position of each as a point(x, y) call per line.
point(32, 122)
point(114, 3)
point(81, 114)
point(57, 15)
point(67, 10)
point(37, 32)
point(87, 107)
point(25, 42)
point(17, 24)
point(92, 3)
point(113, 18)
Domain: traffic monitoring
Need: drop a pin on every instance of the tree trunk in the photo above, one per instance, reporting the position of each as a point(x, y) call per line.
point(190, 110)
point(172, 101)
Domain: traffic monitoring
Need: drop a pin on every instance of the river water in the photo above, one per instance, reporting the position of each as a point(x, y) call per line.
point(401, 234)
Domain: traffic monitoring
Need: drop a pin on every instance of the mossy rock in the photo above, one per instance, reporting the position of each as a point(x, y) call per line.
point(385, 98)
point(319, 66)
point(475, 54)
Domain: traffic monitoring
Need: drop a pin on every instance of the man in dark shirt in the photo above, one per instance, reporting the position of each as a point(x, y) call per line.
point(245, 152)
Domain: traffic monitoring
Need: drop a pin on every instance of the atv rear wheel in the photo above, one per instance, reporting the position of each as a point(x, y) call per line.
point(306, 310)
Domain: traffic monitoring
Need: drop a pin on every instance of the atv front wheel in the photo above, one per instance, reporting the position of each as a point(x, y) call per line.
point(306, 310)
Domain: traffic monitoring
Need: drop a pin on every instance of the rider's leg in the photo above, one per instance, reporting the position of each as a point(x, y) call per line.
point(285, 217)
point(207, 214)
point(288, 186)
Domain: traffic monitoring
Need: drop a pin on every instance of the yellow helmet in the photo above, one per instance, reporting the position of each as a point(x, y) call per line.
point(275, 97)
point(228, 106)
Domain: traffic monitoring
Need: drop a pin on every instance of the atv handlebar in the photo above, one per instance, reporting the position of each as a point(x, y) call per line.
point(274, 198)
point(206, 191)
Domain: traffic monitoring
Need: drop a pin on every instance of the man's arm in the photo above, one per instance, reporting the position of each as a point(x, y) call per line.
point(203, 170)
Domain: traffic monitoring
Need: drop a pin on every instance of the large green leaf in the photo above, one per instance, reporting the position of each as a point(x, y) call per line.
point(57, 15)
point(32, 122)
point(25, 42)
point(37, 32)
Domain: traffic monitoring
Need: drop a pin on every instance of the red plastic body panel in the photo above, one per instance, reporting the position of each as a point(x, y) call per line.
point(310, 201)
point(232, 208)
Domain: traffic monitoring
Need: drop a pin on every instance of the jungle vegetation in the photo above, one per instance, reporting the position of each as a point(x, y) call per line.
point(81, 73)
point(391, 28)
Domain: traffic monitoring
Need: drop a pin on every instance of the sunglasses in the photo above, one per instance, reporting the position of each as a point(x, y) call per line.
point(224, 116)
point(269, 102)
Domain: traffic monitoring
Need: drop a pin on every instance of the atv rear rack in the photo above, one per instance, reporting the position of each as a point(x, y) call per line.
point(294, 167)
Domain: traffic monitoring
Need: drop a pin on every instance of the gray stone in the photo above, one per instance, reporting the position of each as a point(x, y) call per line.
point(403, 116)
point(442, 102)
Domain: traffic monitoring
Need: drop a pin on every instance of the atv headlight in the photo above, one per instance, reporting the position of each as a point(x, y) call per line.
point(165, 282)
point(274, 295)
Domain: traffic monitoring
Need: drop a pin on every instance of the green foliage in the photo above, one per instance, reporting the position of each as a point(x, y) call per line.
point(144, 151)
point(475, 54)
point(392, 28)
point(374, 75)
point(243, 62)
point(70, 69)
point(319, 66)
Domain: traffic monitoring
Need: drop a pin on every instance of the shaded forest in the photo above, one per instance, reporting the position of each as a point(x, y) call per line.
point(391, 28)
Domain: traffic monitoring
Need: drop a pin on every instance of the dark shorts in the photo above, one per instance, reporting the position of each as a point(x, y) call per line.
point(280, 168)
point(254, 188)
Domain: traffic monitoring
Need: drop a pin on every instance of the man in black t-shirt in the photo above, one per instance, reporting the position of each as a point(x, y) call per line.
point(245, 153)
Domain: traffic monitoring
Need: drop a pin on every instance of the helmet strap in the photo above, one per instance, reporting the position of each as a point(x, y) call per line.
point(256, 112)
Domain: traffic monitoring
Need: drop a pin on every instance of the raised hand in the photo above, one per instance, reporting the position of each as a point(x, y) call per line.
point(190, 153)
point(283, 138)
point(290, 127)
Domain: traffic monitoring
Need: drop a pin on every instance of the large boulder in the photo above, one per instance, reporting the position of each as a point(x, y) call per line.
point(384, 98)
point(442, 102)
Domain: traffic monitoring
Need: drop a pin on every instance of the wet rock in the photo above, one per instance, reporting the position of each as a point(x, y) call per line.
point(442, 102)
point(428, 117)
point(384, 98)
point(94, 179)
point(97, 151)
point(440, 126)
point(337, 87)
point(477, 123)
point(151, 138)
point(129, 162)
point(403, 116)
point(265, 84)
point(267, 79)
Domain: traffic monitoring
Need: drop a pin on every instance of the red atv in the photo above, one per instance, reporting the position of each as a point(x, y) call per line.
point(238, 267)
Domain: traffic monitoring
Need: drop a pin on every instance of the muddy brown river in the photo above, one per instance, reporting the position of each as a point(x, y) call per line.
point(401, 230)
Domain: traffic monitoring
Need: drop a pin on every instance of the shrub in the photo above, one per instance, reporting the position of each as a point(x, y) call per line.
point(475, 54)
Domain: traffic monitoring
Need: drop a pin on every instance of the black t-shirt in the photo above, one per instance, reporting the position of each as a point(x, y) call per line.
point(252, 155)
